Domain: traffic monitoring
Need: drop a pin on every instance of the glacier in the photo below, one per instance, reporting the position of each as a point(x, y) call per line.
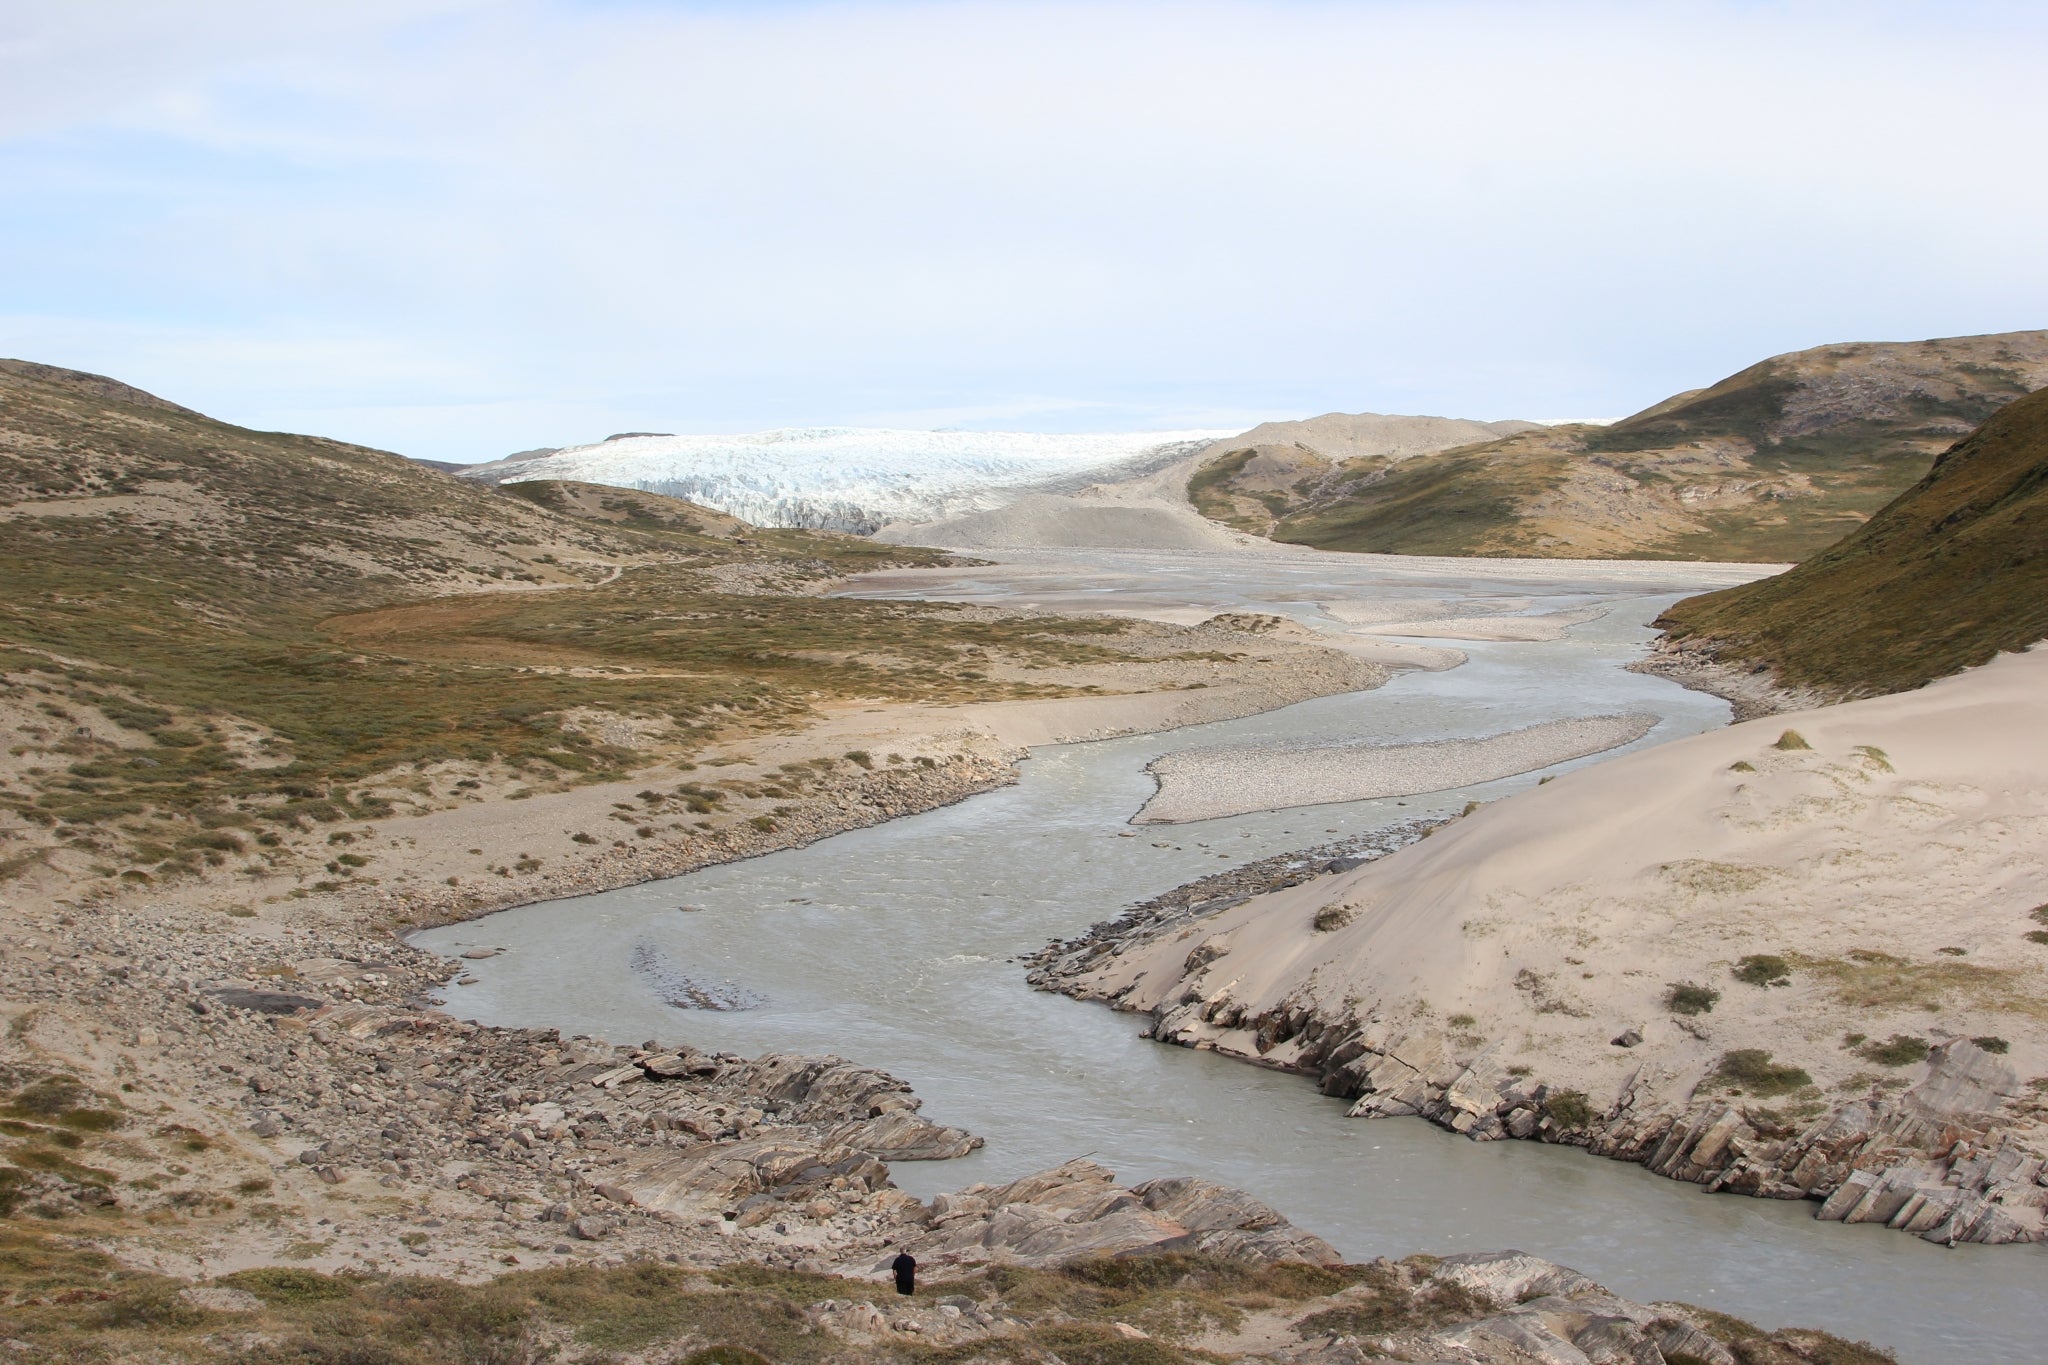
point(855, 479)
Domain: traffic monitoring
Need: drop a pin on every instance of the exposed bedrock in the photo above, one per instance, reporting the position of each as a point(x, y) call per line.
point(1954, 1158)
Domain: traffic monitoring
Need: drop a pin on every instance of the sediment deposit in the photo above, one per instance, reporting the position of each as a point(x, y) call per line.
point(1203, 784)
point(1551, 965)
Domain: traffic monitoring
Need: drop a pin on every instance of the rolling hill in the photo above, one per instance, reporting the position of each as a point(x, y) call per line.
point(1946, 576)
point(217, 638)
point(1771, 464)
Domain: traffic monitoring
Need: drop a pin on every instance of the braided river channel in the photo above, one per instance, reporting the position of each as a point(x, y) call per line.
point(896, 946)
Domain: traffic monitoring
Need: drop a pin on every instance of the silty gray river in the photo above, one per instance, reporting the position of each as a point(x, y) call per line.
point(894, 946)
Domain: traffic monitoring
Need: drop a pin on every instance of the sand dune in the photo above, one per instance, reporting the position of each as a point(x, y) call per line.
point(1896, 864)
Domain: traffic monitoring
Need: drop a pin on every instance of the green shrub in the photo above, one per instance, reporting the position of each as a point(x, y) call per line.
point(1689, 997)
point(725, 1355)
point(1791, 739)
point(1568, 1108)
point(1753, 1070)
point(283, 1284)
point(1901, 1049)
point(1991, 1042)
point(1763, 969)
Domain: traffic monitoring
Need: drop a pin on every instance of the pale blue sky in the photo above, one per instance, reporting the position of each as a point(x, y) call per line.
point(456, 228)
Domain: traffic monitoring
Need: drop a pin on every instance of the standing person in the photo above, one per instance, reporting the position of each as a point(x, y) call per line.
point(905, 1266)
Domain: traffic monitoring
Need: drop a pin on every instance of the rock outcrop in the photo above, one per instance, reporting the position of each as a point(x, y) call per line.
point(1078, 1210)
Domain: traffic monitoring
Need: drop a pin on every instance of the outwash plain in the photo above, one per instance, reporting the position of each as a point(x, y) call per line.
point(274, 701)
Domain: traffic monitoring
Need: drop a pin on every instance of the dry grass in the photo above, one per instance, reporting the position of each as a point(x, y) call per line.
point(177, 585)
point(1396, 1298)
point(1871, 980)
point(65, 1301)
point(79, 1305)
point(1707, 878)
point(1753, 1072)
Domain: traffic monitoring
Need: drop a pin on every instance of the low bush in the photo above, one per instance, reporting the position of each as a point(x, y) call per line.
point(1755, 1073)
point(283, 1284)
point(1901, 1049)
point(1689, 997)
point(1568, 1108)
point(1397, 1304)
point(1763, 969)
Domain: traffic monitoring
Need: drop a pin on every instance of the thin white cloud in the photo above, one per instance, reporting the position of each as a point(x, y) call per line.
point(730, 217)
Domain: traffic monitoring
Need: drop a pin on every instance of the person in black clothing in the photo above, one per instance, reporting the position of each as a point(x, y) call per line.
point(905, 1266)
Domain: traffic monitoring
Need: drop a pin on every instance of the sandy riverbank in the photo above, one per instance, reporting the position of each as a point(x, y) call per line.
point(1520, 973)
point(1203, 784)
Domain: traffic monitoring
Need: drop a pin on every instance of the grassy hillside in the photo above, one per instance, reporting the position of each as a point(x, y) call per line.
point(1950, 573)
point(1774, 463)
point(210, 632)
point(1252, 481)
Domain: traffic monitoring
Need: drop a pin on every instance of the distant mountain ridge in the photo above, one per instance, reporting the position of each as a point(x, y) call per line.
point(853, 478)
point(1946, 576)
point(1773, 463)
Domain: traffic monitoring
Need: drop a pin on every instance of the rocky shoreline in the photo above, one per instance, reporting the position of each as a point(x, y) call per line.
point(1956, 1158)
point(1750, 690)
point(331, 1084)
point(1061, 960)
point(344, 1135)
point(267, 1075)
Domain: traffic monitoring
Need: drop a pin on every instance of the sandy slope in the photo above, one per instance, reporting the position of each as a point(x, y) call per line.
point(1204, 784)
point(1896, 864)
point(1150, 512)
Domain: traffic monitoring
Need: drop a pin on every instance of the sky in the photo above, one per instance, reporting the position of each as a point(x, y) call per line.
point(458, 228)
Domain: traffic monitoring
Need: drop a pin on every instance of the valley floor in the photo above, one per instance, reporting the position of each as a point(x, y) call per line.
point(241, 1071)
